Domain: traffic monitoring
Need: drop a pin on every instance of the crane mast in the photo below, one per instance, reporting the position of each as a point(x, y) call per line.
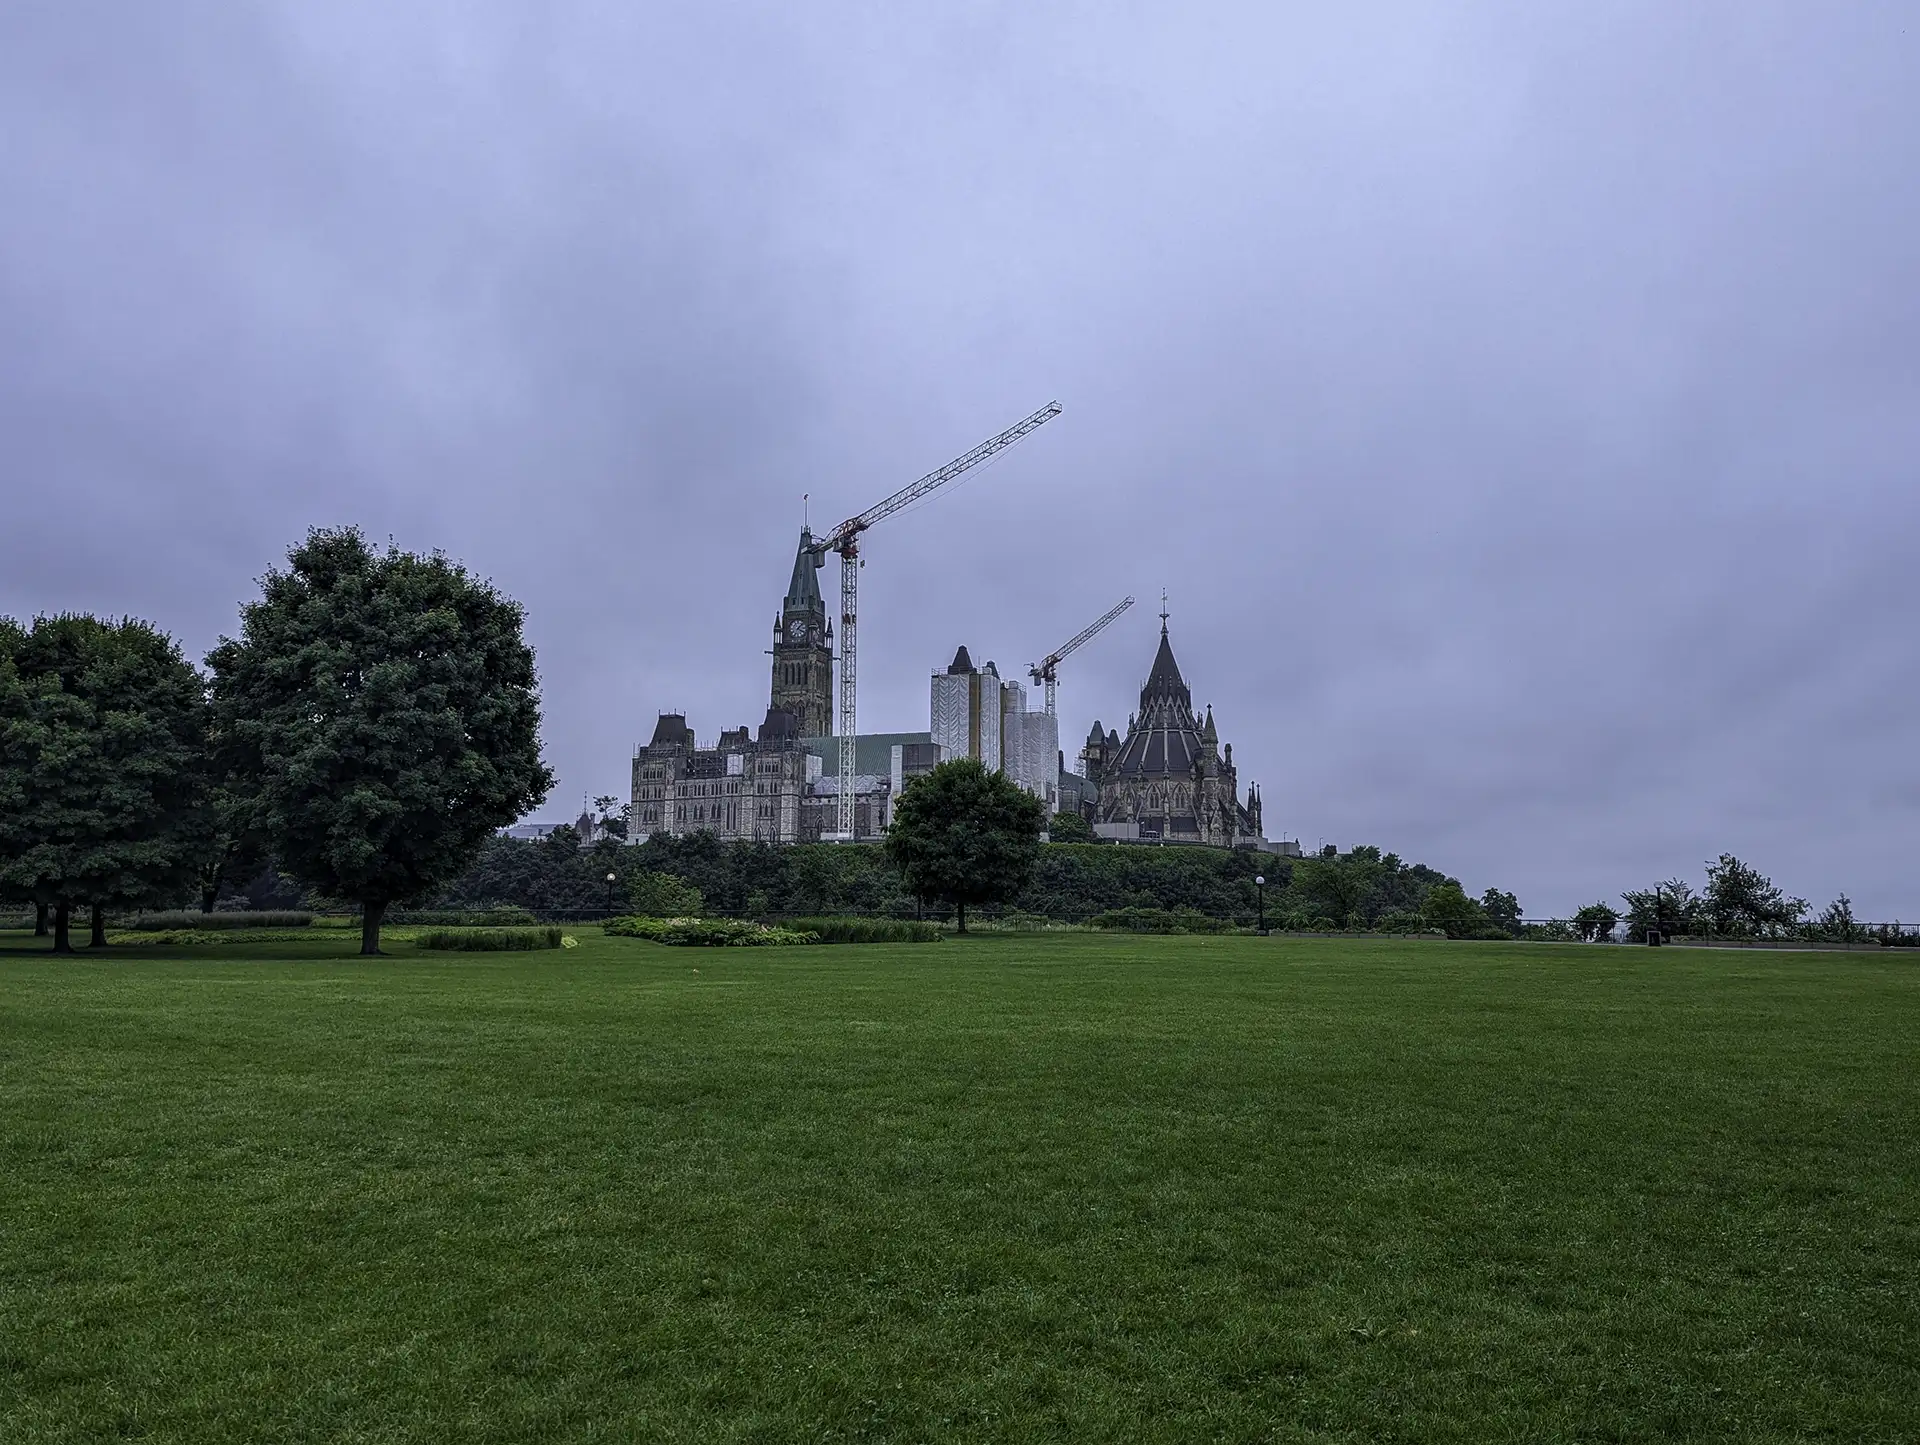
point(845, 539)
point(1046, 670)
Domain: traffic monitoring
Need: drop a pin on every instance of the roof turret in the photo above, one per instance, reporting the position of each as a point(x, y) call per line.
point(962, 663)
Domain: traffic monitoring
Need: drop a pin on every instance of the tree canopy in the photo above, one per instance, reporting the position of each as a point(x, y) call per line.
point(102, 737)
point(383, 706)
point(962, 835)
point(1069, 828)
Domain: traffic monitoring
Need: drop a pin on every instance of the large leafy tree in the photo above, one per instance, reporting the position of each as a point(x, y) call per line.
point(382, 707)
point(964, 835)
point(102, 738)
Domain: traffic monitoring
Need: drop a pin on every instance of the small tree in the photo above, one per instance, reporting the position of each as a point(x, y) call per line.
point(383, 709)
point(661, 895)
point(1742, 901)
point(964, 835)
point(613, 818)
point(1595, 923)
point(1502, 910)
point(1069, 828)
point(1837, 922)
point(1668, 908)
point(1448, 909)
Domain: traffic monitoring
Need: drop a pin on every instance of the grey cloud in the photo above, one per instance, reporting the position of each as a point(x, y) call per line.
point(1520, 403)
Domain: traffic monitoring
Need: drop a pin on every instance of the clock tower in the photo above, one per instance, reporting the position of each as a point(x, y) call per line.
point(803, 647)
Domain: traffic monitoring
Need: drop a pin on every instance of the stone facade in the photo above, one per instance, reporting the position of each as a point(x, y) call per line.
point(781, 784)
point(753, 788)
point(1168, 777)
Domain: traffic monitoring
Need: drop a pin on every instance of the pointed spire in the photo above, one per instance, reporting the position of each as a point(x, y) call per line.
point(803, 590)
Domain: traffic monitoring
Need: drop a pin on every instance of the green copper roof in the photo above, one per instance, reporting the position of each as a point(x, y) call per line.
point(803, 592)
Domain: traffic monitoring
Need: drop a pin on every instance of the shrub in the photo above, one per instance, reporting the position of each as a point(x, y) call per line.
point(428, 917)
point(706, 932)
point(1159, 920)
point(869, 930)
point(195, 937)
point(1401, 920)
point(637, 925)
point(184, 918)
point(504, 917)
point(489, 940)
point(662, 895)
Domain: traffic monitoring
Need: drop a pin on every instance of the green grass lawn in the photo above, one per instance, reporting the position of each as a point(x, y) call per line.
point(1015, 1188)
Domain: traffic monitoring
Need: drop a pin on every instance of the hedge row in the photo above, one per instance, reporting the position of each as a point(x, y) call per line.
point(186, 918)
point(869, 930)
point(490, 940)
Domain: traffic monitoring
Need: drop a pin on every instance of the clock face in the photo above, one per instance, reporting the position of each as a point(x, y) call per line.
point(797, 631)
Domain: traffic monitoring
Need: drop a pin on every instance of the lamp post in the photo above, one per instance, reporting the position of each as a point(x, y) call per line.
point(1260, 883)
point(610, 881)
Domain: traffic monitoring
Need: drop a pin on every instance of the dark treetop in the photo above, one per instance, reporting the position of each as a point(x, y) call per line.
point(385, 707)
point(102, 731)
point(964, 835)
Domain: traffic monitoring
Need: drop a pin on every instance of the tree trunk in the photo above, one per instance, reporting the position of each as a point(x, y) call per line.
point(208, 895)
point(97, 928)
point(370, 916)
point(62, 927)
point(961, 909)
point(39, 919)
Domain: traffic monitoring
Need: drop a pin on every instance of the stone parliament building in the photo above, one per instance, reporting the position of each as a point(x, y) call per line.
point(1167, 781)
point(780, 783)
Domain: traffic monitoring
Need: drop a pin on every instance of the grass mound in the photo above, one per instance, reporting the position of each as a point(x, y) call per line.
point(869, 930)
point(489, 940)
point(187, 918)
point(706, 932)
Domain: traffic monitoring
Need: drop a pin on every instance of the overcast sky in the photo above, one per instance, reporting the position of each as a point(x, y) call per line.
point(1520, 403)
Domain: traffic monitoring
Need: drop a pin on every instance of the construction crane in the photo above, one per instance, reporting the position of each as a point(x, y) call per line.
point(845, 539)
point(1045, 669)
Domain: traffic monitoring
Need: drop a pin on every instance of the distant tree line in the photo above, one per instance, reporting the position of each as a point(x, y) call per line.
point(1738, 902)
point(1362, 889)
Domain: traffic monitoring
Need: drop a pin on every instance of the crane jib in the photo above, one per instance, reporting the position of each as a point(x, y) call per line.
point(845, 539)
